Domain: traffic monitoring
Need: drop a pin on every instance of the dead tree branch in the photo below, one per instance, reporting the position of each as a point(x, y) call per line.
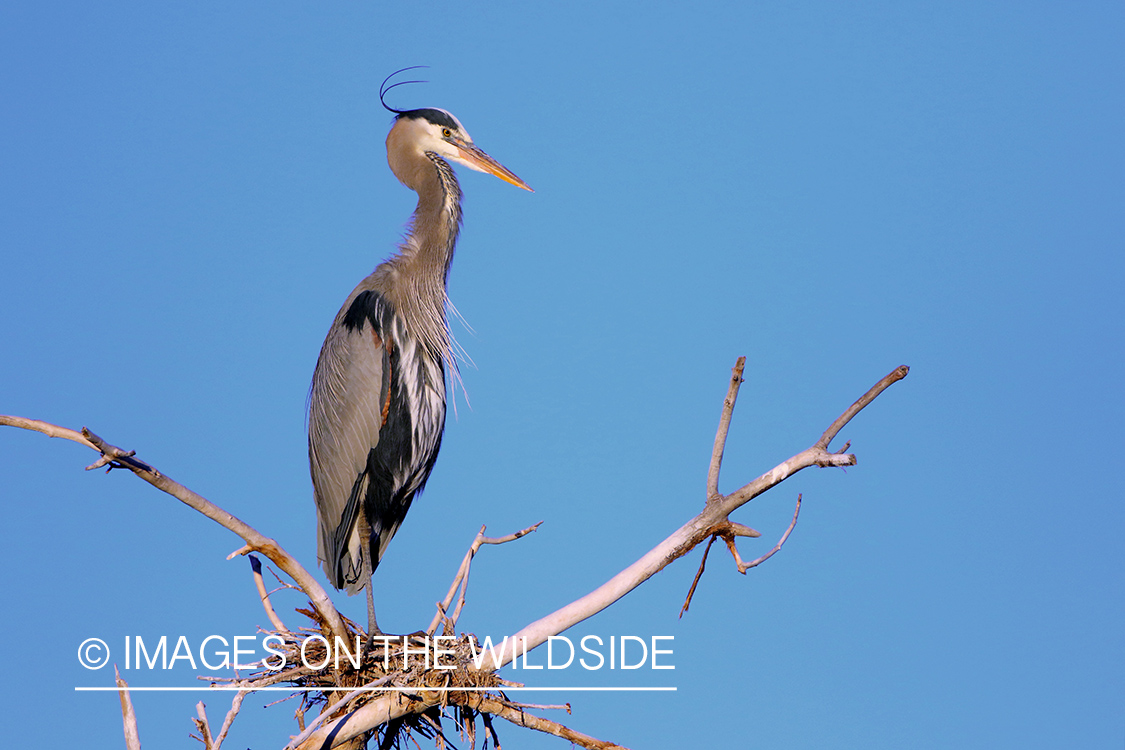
point(520, 718)
point(724, 426)
point(235, 705)
point(113, 457)
point(203, 726)
point(711, 521)
point(260, 583)
point(373, 714)
point(360, 717)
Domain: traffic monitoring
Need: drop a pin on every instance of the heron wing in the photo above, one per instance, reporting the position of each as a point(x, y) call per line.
point(347, 409)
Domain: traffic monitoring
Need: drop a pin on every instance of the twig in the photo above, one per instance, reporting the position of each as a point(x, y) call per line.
point(462, 577)
point(893, 377)
point(256, 566)
point(818, 454)
point(698, 575)
point(114, 457)
point(128, 716)
point(489, 705)
point(282, 585)
point(743, 567)
point(721, 434)
point(543, 706)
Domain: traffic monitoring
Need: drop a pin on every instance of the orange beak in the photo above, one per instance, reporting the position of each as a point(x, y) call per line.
point(482, 162)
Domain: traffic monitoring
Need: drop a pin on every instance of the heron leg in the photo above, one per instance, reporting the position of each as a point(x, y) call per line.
point(372, 626)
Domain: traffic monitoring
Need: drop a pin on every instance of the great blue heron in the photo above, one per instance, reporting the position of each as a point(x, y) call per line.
point(377, 405)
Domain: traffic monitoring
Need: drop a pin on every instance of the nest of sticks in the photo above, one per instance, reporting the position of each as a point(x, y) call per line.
point(333, 681)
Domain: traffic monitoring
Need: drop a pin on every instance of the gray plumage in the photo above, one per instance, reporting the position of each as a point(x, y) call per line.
point(377, 404)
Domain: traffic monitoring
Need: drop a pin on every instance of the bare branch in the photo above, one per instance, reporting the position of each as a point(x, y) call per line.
point(724, 426)
point(235, 705)
point(370, 715)
point(203, 727)
point(542, 706)
point(818, 454)
point(896, 375)
point(46, 428)
point(255, 541)
point(256, 566)
point(510, 537)
point(128, 716)
point(489, 705)
point(743, 567)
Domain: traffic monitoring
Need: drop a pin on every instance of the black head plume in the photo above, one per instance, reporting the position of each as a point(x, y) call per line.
point(384, 89)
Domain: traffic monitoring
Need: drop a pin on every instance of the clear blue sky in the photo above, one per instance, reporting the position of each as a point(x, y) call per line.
point(188, 191)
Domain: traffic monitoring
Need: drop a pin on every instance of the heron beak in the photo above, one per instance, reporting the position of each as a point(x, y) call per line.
point(476, 159)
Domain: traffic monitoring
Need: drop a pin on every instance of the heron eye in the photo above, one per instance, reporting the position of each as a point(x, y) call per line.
point(446, 133)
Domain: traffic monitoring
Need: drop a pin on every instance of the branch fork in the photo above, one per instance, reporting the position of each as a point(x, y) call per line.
point(716, 512)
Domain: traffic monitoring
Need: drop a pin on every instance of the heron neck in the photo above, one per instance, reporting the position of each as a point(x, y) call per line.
point(427, 252)
point(437, 220)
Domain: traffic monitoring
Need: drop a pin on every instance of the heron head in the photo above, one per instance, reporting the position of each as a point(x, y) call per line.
point(430, 130)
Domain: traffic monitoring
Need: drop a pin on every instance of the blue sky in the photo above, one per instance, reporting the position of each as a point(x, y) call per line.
point(188, 192)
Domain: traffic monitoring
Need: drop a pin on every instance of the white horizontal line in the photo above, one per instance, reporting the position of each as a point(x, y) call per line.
point(374, 689)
